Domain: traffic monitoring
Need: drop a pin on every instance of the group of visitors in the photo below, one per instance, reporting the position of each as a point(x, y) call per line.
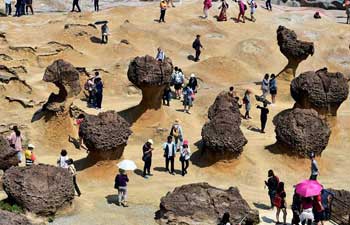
point(269, 85)
point(22, 7)
point(94, 86)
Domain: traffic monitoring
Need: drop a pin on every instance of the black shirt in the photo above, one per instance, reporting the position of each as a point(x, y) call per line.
point(264, 112)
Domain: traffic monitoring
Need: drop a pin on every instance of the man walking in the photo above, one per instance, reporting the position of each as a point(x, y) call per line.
point(197, 45)
point(147, 158)
point(76, 4)
point(169, 154)
point(314, 167)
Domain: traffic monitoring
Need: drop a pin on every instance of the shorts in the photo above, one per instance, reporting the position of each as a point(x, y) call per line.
point(177, 86)
point(319, 216)
point(273, 92)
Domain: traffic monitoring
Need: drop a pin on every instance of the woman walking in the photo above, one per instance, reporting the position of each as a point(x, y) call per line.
point(253, 6)
point(188, 99)
point(185, 155)
point(280, 203)
point(265, 86)
point(242, 7)
point(121, 181)
point(15, 140)
point(147, 158)
point(247, 103)
point(73, 172)
point(224, 6)
point(206, 6)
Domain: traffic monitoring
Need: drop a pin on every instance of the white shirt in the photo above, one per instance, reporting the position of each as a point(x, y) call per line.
point(8, 1)
point(62, 162)
point(171, 147)
point(185, 152)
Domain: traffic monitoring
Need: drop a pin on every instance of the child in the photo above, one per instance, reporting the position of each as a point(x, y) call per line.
point(167, 96)
point(73, 172)
point(121, 181)
point(263, 116)
point(246, 102)
point(29, 155)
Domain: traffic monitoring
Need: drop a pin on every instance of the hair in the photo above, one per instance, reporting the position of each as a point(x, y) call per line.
point(273, 76)
point(170, 138)
point(198, 36)
point(270, 173)
point(70, 161)
point(97, 73)
point(247, 92)
point(280, 187)
point(265, 104)
point(18, 133)
point(64, 152)
point(185, 145)
point(232, 88)
point(176, 68)
point(308, 199)
point(180, 70)
point(81, 116)
point(266, 76)
point(226, 217)
point(14, 128)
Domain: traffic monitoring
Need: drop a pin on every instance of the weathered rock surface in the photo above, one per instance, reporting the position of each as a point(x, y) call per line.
point(41, 189)
point(301, 131)
point(203, 204)
point(8, 156)
point(324, 4)
point(10, 218)
point(320, 90)
point(293, 49)
point(340, 213)
point(66, 78)
point(105, 135)
point(151, 77)
point(222, 134)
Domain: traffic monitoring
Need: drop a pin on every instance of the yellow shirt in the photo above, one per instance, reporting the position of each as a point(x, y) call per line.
point(163, 5)
point(28, 154)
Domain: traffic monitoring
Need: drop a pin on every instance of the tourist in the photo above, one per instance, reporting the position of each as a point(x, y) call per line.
point(318, 210)
point(185, 155)
point(170, 3)
point(268, 5)
point(96, 5)
point(29, 155)
point(99, 92)
point(280, 203)
point(327, 197)
point(177, 134)
point(163, 6)
point(76, 4)
point(253, 6)
point(23, 6)
point(193, 83)
point(104, 33)
point(62, 161)
point(178, 80)
point(272, 184)
point(263, 116)
point(224, 6)
point(90, 87)
point(79, 121)
point(73, 172)
point(188, 98)
point(232, 92)
point(307, 216)
point(314, 167)
point(242, 7)
point(296, 204)
point(347, 10)
point(18, 8)
point(197, 45)
point(8, 8)
point(265, 86)
point(247, 103)
point(169, 154)
point(206, 6)
point(160, 55)
point(29, 5)
point(317, 15)
point(273, 88)
point(121, 181)
point(147, 158)
point(15, 140)
point(225, 219)
point(167, 96)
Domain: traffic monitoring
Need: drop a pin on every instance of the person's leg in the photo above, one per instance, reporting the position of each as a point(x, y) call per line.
point(278, 215)
point(263, 125)
point(167, 163)
point(172, 160)
point(99, 104)
point(76, 187)
point(73, 6)
point(79, 10)
point(31, 9)
point(27, 6)
point(183, 168)
point(119, 196)
point(6, 9)
point(149, 166)
point(144, 168)
point(186, 166)
point(284, 216)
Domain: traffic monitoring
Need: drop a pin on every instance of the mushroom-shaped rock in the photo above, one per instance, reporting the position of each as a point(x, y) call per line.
point(8, 155)
point(105, 135)
point(203, 204)
point(41, 189)
point(151, 76)
point(301, 131)
point(320, 90)
point(222, 136)
point(293, 49)
point(10, 218)
point(65, 76)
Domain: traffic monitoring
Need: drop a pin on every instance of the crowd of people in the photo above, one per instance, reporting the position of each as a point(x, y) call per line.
point(22, 7)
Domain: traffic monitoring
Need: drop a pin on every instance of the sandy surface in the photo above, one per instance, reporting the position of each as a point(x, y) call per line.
point(234, 54)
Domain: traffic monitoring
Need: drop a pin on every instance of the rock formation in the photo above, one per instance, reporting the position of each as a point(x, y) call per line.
point(66, 78)
point(151, 76)
point(339, 212)
point(222, 136)
point(320, 90)
point(41, 189)
point(203, 204)
point(293, 49)
point(324, 4)
point(301, 131)
point(8, 156)
point(10, 218)
point(105, 135)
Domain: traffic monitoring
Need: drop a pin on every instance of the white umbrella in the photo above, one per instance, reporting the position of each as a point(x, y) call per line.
point(127, 165)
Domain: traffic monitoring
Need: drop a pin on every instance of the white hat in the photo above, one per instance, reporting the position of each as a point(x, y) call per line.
point(150, 141)
point(31, 146)
point(192, 75)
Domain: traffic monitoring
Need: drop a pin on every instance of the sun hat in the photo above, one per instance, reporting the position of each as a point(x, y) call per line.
point(150, 141)
point(31, 146)
point(185, 142)
point(192, 75)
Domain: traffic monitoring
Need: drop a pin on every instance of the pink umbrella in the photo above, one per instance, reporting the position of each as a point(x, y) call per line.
point(309, 188)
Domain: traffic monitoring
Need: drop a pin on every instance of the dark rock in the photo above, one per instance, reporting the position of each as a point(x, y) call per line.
point(203, 204)
point(105, 135)
point(224, 103)
point(7, 74)
point(301, 131)
point(8, 155)
point(41, 189)
point(320, 90)
point(10, 218)
point(124, 41)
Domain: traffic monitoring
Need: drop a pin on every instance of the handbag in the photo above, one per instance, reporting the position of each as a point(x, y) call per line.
point(182, 158)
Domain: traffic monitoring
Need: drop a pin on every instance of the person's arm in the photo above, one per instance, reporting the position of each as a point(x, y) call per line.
point(259, 107)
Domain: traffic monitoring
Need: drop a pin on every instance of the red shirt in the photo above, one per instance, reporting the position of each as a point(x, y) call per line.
point(318, 204)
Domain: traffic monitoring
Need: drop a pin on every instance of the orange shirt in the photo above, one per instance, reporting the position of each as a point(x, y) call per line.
point(163, 5)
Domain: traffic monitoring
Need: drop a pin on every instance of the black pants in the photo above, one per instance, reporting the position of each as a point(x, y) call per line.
point(198, 53)
point(76, 4)
point(263, 124)
point(171, 160)
point(91, 100)
point(29, 7)
point(8, 9)
point(99, 97)
point(166, 100)
point(104, 38)
point(184, 166)
point(147, 167)
point(76, 187)
point(162, 15)
point(268, 5)
point(313, 177)
point(97, 7)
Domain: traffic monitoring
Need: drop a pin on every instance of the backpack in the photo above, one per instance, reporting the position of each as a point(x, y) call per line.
point(245, 7)
point(194, 45)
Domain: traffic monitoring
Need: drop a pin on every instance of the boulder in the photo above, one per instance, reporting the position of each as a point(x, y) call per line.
point(105, 135)
point(301, 131)
point(41, 189)
point(293, 49)
point(320, 90)
point(151, 76)
point(8, 155)
point(10, 218)
point(200, 203)
point(65, 76)
point(221, 135)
